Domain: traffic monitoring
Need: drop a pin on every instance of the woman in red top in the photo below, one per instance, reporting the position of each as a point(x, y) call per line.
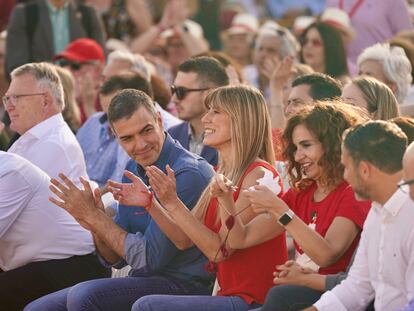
point(237, 124)
point(320, 211)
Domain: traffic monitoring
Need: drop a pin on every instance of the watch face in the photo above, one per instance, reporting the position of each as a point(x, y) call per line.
point(284, 219)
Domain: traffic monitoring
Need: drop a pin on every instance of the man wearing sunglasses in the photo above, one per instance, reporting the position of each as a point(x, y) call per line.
point(195, 78)
point(372, 155)
point(85, 59)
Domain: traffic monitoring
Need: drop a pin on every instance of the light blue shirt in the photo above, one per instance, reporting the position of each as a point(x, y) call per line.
point(105, 159)
point(59, 19)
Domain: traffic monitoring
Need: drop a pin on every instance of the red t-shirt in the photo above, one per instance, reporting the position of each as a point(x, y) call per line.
point(248, 273)
point(340, 202)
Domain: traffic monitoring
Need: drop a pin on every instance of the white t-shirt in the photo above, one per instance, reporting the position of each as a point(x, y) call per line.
point(31, 227)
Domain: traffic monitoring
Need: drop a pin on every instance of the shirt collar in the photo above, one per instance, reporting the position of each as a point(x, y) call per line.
point(192, 136)
point(394, 203)
point(162, 160)
point(46, 126)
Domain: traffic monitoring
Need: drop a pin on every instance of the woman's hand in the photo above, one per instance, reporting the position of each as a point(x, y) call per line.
point(264, 200)
point(290, 273)
point(164, 186)
point(132, 194)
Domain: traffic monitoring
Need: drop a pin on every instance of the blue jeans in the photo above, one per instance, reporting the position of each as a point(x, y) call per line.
point(191, 303)
point(113, 294)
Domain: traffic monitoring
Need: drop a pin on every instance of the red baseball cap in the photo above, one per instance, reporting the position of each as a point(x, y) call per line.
point(82, 50)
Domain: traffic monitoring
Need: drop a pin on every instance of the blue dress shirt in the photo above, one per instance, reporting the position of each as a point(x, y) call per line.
point(105, 159)
point(148, 250)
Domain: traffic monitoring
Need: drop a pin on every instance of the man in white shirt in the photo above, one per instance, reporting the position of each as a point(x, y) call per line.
point(34, 102)
point(384, 264)
point(42, 247)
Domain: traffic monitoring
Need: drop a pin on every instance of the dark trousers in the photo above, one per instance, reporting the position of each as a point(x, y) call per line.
point(22, 285)
point(290, 298)
point(293, 298)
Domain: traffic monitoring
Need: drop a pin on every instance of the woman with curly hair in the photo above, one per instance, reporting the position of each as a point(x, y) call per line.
point(320, 210)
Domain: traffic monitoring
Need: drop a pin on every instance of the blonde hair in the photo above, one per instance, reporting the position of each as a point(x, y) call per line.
point(251, 133)
point(71, 112)
point(381, 100)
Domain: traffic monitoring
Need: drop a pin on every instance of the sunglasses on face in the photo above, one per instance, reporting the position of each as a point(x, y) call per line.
point(404, 185)
point(314, 42)
point(181, 92)
point(74, 66)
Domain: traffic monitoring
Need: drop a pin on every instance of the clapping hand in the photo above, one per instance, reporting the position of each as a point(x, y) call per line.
point(164, 186)
point(264, 200)
point(131, 194)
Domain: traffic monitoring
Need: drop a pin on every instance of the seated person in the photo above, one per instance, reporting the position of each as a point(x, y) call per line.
point(43, 249)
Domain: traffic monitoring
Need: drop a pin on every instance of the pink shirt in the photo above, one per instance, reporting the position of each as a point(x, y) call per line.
point(374, 21)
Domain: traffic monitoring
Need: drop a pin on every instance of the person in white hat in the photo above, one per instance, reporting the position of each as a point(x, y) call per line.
point(238, 39)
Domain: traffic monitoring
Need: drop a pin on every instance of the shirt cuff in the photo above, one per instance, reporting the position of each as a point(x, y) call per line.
point(135, 250)
point(329, 301)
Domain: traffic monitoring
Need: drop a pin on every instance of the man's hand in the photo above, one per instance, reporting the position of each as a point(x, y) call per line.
point(81, 204)
point(131, 194)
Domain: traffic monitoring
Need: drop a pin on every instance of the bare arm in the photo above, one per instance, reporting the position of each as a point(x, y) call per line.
point(139, 14)
point(137, 194)
point(324, 251)
point(206, 240)
point(81, 204)
point(249, 227)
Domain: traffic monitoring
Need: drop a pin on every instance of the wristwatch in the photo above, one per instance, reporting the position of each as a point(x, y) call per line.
point(286, 217)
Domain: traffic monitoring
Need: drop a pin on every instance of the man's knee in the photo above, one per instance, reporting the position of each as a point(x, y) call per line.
point(144, 304)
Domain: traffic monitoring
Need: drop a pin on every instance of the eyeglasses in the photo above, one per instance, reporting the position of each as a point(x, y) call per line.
point(12, 99)
point(67, 63)
point(74, 66)
point(181, 92)
point(314, 42)
point(404, 185)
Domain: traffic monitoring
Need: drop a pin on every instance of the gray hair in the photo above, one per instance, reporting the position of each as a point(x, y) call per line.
point(288, 43)
point(138, 62)
point(46, 77)
point(395, 65)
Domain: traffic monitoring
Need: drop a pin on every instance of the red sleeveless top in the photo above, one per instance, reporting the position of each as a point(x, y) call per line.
point(248, 273)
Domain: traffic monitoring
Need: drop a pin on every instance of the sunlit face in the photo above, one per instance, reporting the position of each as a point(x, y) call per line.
point(217, 129)
point(298, 98)
point(351, 94)
point(238, 45)
point(29, 110)
point(192, 106)
point(373, 69)
point(268, 48)
point(141, 136)
point(308, 152)
point(408, 170)
point(353, 177)
point(312, 49)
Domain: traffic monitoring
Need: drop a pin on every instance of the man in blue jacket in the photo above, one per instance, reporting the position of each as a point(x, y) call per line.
point(158, 267)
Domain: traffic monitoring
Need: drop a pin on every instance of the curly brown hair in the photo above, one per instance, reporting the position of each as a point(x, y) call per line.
point(327, 121)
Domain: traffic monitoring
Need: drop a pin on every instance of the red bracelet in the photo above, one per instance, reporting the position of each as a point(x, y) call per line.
point(147, 208)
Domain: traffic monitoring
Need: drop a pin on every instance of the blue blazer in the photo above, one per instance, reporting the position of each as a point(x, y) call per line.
point(180, 133)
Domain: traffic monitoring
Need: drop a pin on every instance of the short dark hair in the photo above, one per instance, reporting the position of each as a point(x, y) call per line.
point(322, 86)
point(208, 69)
point(126, 102)
point(380, 143)
point(127, 80)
